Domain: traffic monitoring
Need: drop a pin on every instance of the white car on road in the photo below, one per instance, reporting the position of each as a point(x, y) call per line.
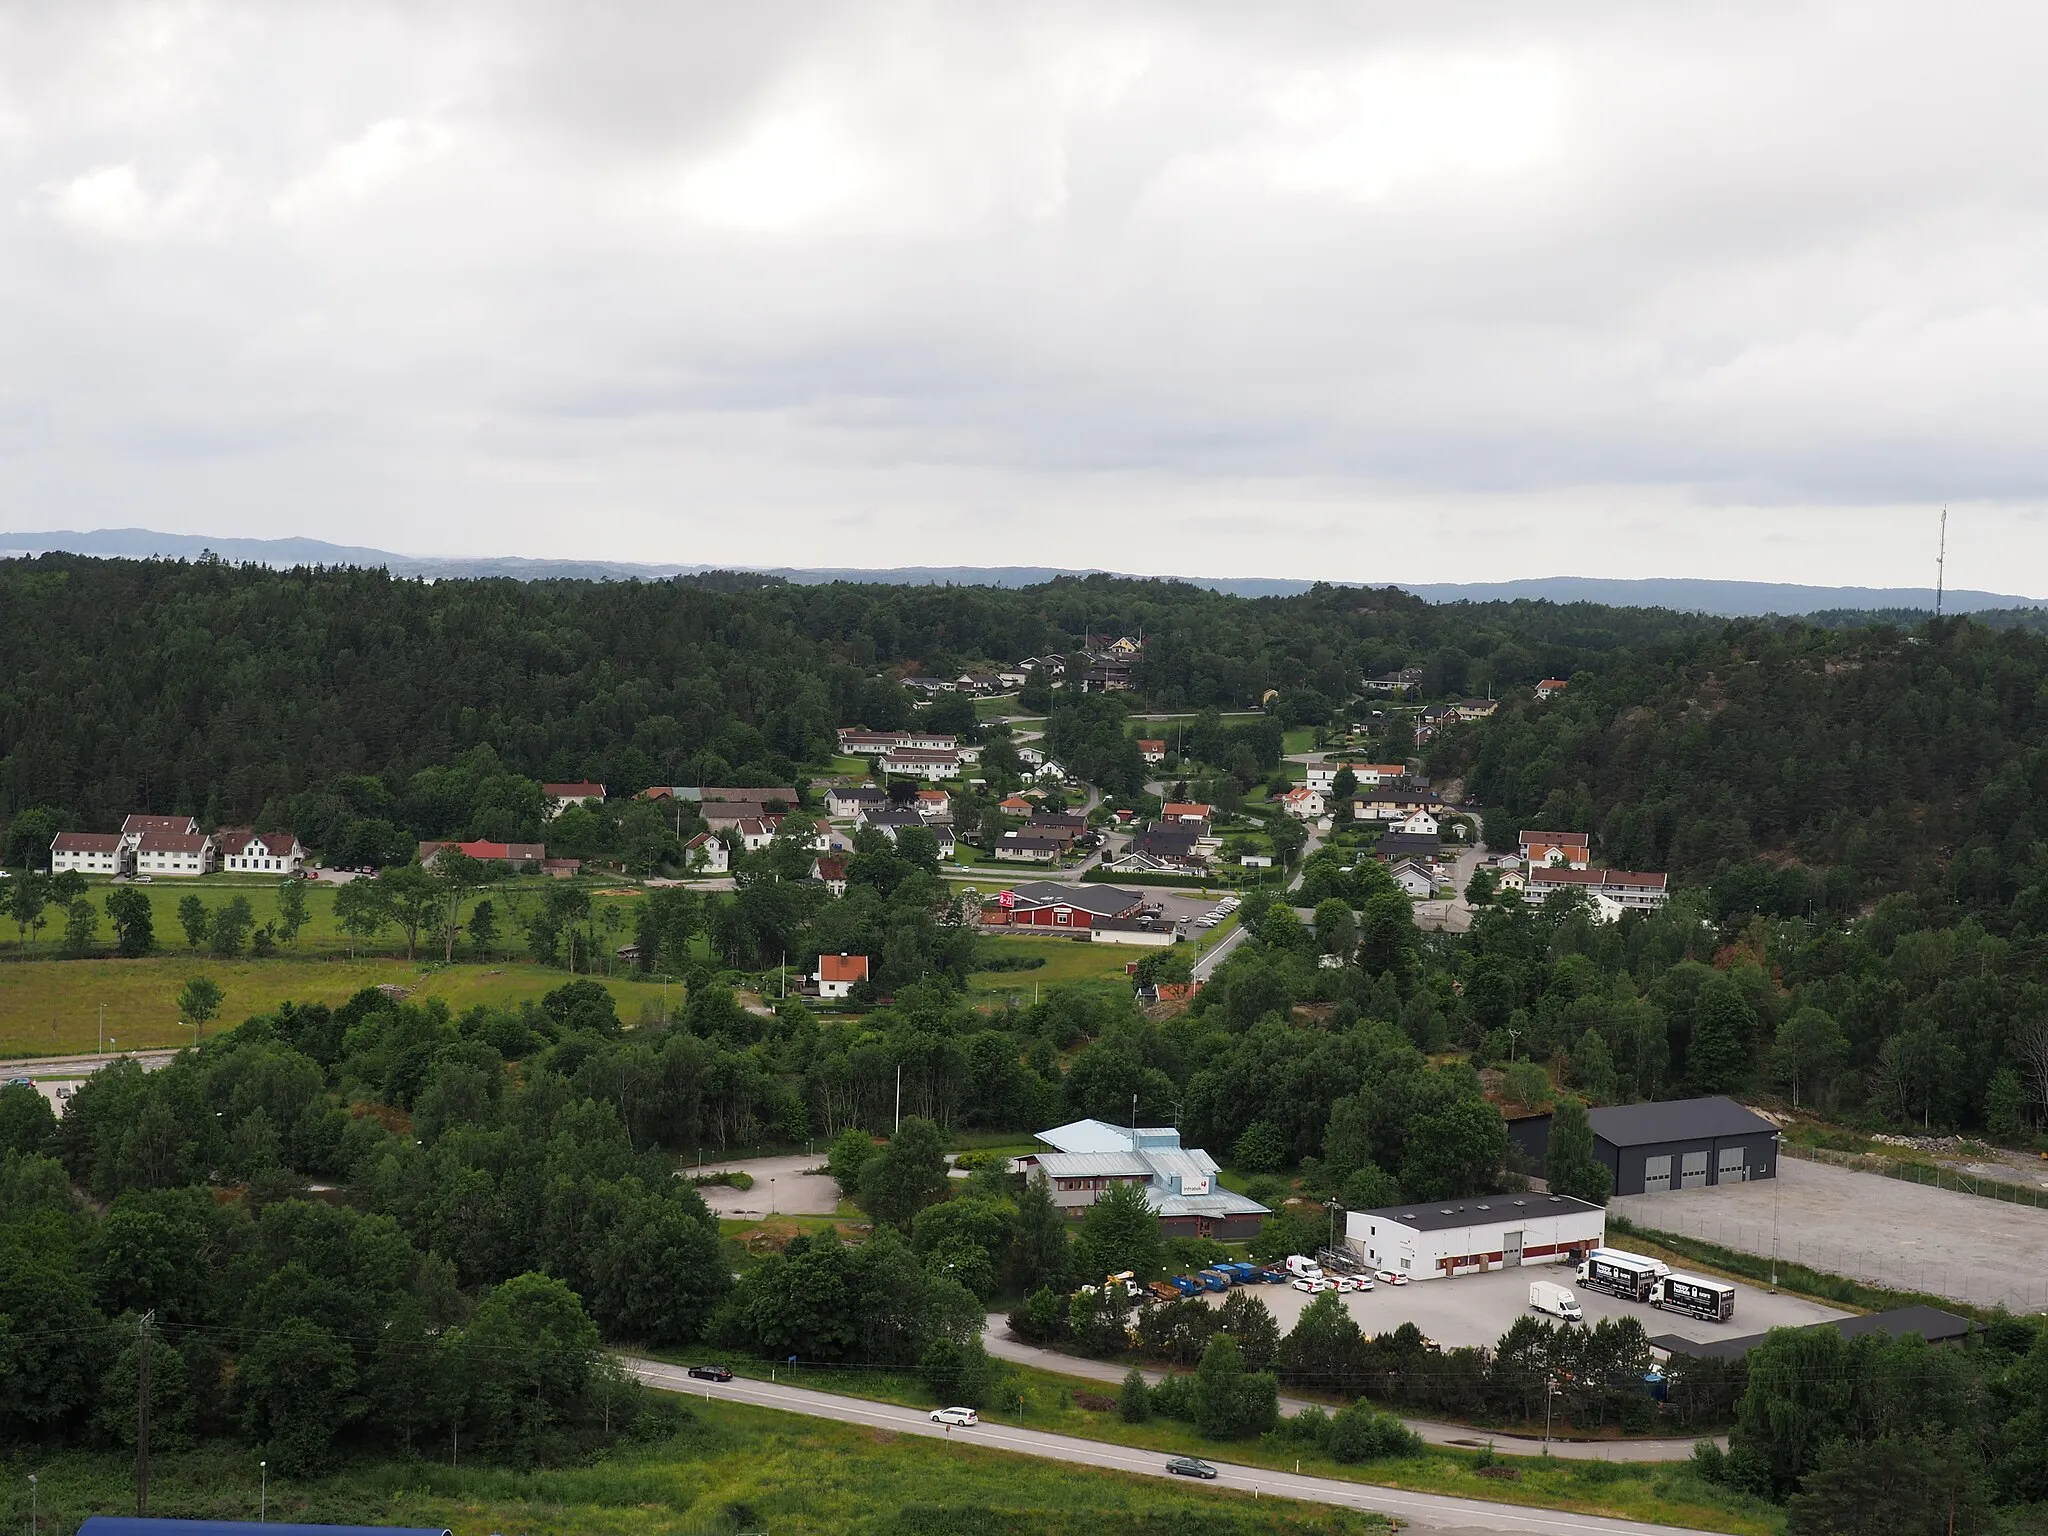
point(955, 1416)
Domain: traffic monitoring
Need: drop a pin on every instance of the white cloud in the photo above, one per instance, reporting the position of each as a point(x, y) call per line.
point(1728, 290)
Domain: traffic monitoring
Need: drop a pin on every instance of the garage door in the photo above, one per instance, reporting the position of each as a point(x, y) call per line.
point(1694, 1173)
point(1731, 1169)
point(1510, 1249)
point(1656, 1174)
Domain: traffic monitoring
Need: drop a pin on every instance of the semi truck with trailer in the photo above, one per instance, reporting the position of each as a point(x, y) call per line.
point(1713, 1300)
point(1627, 1275)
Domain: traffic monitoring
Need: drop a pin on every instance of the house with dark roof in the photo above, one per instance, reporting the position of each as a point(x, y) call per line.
point(89, 853)
point(1672, 1144)
point(267, 852)
point(1420, 847)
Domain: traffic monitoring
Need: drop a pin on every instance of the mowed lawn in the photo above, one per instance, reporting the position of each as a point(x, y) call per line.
point(1067, 964)
point(52, 1007)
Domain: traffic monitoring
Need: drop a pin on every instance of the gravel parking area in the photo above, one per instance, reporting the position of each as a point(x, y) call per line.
point(783, 1186)
point(1881, 1231)
point(1478, 1309)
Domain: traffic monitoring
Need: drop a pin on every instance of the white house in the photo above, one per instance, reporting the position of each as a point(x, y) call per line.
point(755, 834)
point(846, 801)
point(1435, 1239)
point(706, 855)
point(562, 796)
point(837, 974)
point(1418, 882)
point(276, 853)
point(1050, 772)
point(1568, 850)
point(1630, 890)
point(1303, 802)
point(1323, 776)
point(177, 854)
point(1417, 821)
point(88, 853)
point(831, 873)
point(916, 763)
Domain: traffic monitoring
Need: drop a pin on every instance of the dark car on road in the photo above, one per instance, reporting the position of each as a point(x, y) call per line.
point(1190, 1466)
point(711, 1372)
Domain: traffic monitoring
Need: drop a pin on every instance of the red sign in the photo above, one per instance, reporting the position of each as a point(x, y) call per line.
point(1007, 899)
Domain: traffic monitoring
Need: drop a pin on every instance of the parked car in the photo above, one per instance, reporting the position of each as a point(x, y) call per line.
point(1391, 1277)
point(955, 1416)
point(1315, 1285)
point(711, 1372)
point(1189, 1466)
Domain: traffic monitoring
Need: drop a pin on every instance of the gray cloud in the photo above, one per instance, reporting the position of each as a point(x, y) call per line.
point(1479, 291)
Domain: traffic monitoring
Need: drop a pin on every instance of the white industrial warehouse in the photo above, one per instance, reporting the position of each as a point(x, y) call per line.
point(1435, 1241)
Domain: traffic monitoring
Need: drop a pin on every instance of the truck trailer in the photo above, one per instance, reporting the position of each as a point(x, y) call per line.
point(1713, 1300)
point(1626, 1275)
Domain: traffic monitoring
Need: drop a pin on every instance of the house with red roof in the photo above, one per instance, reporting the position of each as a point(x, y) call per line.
point(836, 975)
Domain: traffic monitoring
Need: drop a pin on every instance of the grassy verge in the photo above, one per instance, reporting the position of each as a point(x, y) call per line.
point(728, 1468)
point(1067, 963)
point(1663, 1493)
point(52, 1007)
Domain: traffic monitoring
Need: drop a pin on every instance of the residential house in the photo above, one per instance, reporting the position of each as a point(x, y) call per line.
point(847, 801)
point(1303, 803)
point(1153, 751)
point(180, 854)
point(983, 683)
point(1181, 1185)
point(1475, 709)
point(1049, 772)
point(1029, 847)
point(1045, 905)
point(1031, 757)
point(134, 826)
point(1013, 677)
point(1395, 804)
point(513, 855)
point(1186, 811)
point(779, 797)
point(1510, 880)
point(1255, 860)
point(562, 796)
point(1016, 805)
point(267, 852)
point(1417, 821)
point(875, 743)
point(928, 685)
point(755, 833)
point(89, 853)
point(1106, 677)
point(561, 869)
point(724, 815)
point(1419, 846)
point(917, 763)
point(933, 804)
point(1152, 929)
point(706, 855)
point(1550, 687)
point(1394, 682)
point(1173, 843)
point(1432, 720)
point(831, 871)
point(837, 975)
point(1630, 890)
point(1323, 776)
point(1567, 849)
point(1418, 881)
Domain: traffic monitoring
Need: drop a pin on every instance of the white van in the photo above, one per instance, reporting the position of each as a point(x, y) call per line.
point(1554, 1300)
point(1302, 1267)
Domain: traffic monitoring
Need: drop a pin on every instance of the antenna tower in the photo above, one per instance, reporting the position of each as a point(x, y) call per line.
point(1941, 564)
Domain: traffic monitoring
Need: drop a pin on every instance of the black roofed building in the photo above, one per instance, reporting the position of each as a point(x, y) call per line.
point(1931, 1323)
point(1676, 1144)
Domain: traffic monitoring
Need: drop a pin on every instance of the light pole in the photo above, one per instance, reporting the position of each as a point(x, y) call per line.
point(771, 1194)
point(31, 1504)
point(1333, 1221)
point(263, 1499)
point(1775, 1171)
point(1549, 1392)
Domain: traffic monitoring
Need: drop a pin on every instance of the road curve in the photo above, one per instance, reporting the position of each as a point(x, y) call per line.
point(1427, 1511)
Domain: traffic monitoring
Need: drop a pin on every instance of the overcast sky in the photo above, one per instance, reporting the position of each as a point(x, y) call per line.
point(1371, 292)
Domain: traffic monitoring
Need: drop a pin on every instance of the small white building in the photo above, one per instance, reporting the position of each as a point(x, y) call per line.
point(706, 855)
point(88, 853)
point(1417, 882)
point(562, 796)
point(1418, 822)
point(836, 975)
point(1303, 803)
point(1435, 1240)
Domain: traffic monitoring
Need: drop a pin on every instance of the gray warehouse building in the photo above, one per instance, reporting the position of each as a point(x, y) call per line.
point(1678, 1144)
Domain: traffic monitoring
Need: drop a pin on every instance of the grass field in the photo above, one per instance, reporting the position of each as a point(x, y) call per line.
point(52, 1007)
point(728, 1469)
point(1066, 964)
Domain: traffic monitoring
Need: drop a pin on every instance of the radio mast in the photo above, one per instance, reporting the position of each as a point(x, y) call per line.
point(1941, 564)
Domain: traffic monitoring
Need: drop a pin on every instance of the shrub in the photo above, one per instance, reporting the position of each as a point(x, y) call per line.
point(1360, 1433)
point(1134, 1399)
point(1261, 1148)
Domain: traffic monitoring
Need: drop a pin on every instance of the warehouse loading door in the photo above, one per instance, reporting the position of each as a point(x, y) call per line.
point(1657, 1174)
point(1731, 1168)
point(1510, 1249)
point(1694, 1174)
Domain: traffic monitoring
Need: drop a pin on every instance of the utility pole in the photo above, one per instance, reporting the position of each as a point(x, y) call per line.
point(142, 1415)
point(899, 1096)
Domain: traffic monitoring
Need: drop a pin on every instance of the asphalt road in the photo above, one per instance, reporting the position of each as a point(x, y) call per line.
point(998, 1341)
point(1427, 1511)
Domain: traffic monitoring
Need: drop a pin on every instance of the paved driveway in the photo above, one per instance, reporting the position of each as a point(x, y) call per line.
point(1883, 1231)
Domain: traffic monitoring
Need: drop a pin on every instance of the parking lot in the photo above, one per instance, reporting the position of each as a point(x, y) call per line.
point(1478, 1309)
point(1882, 1231)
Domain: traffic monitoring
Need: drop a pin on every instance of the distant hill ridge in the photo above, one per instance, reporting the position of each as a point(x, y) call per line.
point(1726, 598)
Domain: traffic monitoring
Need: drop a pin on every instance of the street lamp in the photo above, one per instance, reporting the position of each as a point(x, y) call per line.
point(1333, 1204)
point(31, 1504)
point(263, 1502)
point(1549, 1393)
